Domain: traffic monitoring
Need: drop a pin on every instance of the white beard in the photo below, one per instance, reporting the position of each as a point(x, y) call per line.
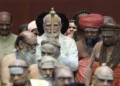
point(49, 33)
point(29, 56)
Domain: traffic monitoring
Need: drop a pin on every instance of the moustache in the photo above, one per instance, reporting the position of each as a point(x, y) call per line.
point(47, 76)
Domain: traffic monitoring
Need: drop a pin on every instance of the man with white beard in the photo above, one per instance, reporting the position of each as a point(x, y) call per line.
point(25, 44)
point(68, 52)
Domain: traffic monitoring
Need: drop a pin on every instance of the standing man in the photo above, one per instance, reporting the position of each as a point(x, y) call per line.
point(68, 47)
point(7, 38)
point(107, 51)
point(103, 76)
point(90, 24)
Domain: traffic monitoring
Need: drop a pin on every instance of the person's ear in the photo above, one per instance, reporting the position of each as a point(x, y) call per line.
point(21, 44)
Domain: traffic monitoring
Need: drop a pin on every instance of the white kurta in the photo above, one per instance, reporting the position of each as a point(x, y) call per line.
point(69, 52)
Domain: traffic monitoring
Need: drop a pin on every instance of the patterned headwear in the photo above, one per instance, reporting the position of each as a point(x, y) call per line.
point(91, 21)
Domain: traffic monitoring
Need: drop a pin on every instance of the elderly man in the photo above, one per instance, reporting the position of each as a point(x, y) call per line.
point(19, 75)
point(43, 69)
point(107, 51)
point(7, 38)
point(50, 47)
point(103, 76)
point(90, 24)
point(62, 76)
point(26, 47)
point(68, 47)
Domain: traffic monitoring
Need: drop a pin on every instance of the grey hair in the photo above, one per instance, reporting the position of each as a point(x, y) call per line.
point(52, 42)
point(46, 59)
point(50, 15)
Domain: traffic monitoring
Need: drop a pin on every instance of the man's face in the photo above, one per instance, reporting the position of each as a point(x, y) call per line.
point(109, 38)
point(63, 77)
point(103, 80)
point(49, 50)
point(5, 25)
point(18, 76)
point(46, 70)
point(91, 36)
point(72, 27)
point(56, 25)
point(29, 50)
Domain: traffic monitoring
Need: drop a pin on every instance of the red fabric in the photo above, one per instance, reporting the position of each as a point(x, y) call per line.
point(91, 21)
point(80, 75)
point(117, 76)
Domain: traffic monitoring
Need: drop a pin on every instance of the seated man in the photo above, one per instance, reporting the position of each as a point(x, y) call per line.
point(19, 75)
point(44, 68)
point(62, 76)
point(26, 47)
point(103, 76)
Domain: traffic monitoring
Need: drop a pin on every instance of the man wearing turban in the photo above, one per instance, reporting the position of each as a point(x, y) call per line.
point(90, 25)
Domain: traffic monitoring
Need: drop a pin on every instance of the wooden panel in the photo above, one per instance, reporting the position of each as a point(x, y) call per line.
point(25, 11)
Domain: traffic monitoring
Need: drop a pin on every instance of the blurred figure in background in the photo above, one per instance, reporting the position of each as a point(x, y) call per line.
point(71, 29)
point(22, 28)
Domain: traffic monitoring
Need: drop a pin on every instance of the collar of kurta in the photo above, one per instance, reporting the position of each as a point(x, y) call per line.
point(4, 38)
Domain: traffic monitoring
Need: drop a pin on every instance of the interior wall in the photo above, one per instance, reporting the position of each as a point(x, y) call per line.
point(24, 11)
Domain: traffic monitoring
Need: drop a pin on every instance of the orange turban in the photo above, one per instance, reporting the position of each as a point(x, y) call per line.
point(91, 21)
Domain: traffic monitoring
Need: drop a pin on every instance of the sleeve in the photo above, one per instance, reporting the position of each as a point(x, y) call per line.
point(72, 59)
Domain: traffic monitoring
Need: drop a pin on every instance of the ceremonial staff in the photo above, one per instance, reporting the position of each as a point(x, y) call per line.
point(52, 12)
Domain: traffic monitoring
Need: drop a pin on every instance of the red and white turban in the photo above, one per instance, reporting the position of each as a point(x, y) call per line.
point(91, 21)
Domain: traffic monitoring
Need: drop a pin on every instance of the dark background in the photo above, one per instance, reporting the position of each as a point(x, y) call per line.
point(24, 11)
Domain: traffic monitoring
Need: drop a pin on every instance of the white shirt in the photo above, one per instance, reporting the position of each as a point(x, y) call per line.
point(69, 52)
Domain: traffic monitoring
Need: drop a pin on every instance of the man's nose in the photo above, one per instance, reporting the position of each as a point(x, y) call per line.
point(66, 81)
point(105, 83)
point(89, 34)
point(48, 72)
point(16, 77)
point(4, 26)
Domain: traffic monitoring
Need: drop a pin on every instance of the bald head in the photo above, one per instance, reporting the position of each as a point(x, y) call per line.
point(48, 61)
point(103, 76)
point(19, 63)
point(18, 72)
point(63, 76)
point(109, 20)
point(4, 15)
point(26, 36)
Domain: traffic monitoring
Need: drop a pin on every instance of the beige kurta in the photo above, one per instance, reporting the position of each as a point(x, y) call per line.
point(7, 45)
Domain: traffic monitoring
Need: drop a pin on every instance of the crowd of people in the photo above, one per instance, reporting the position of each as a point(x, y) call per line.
point(52, 50)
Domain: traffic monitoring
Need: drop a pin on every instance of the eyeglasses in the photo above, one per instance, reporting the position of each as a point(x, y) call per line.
point(32, 46)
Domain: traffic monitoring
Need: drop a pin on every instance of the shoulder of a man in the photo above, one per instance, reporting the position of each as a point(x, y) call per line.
point(8, 58)
point(98, 45)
